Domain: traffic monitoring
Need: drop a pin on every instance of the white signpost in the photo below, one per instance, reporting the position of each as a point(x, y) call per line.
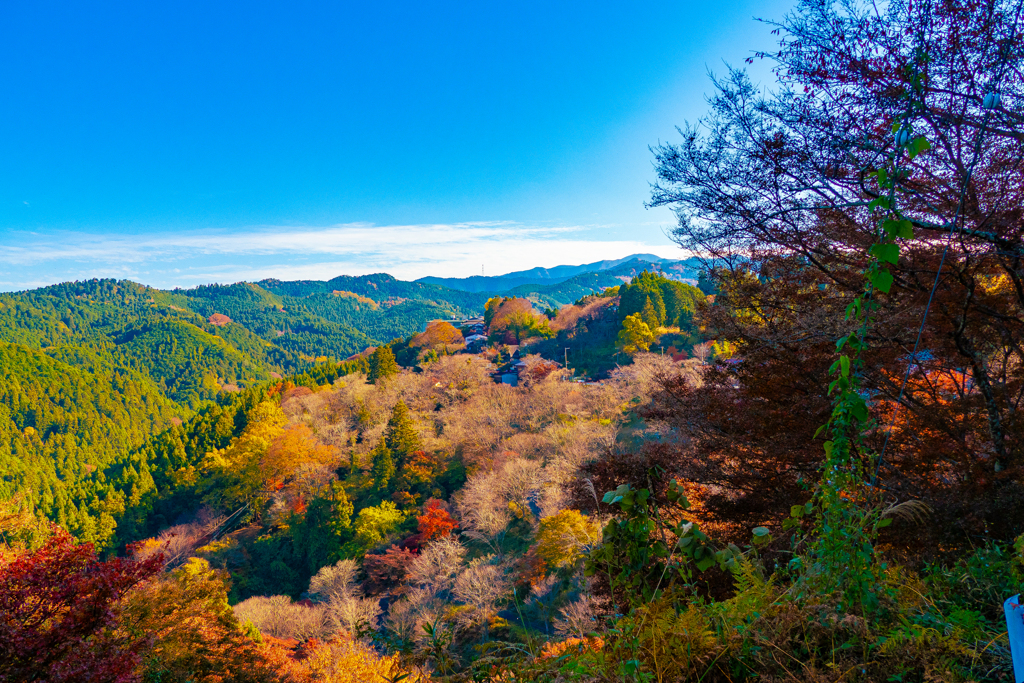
point(1015, 629)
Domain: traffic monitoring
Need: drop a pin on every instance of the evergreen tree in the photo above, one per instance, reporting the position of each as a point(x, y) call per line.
point(382, 364)
point(383, 470)
point(634, 296)
point(401, 437)
point(325, 528)
point(650, 316)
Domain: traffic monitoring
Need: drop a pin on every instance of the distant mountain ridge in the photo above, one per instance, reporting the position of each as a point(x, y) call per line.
point(680, 269)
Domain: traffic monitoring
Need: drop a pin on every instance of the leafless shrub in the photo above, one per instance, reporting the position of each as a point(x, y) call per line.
point(279, 617)
point(303, 406)
point(354, 614)
point(530, 445)
point(582, 617)
point(520, 478)
point(310, 479)
point(337, 434)
point(568, 316)
point(406, 616)
point(644, 376)
point(702, 352)
point(437, 564)
point(572, 446)
point(481, 505)
point(335, 581)
point(481, 586)
point(457, 378)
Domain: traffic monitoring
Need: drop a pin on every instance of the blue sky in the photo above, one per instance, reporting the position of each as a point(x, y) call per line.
point(186, 142)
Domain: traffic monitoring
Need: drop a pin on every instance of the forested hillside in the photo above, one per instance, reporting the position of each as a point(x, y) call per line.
point(93, 369)
point(578, 286)
point(64, 416)
point(808, 468)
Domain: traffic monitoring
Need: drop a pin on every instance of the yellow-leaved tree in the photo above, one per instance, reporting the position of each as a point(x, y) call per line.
point(564, 537)
point(192, 633)
point(344, 660)
point(235, 475)
point(635, 335)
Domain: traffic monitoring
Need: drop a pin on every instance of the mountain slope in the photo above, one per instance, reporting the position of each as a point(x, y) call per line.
point(688, 269)
point(65, 414)
point(578, 286)
point(91, 370)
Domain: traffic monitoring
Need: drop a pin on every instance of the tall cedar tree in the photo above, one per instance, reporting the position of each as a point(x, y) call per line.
point(382, 364)
point(400, 436)
point(326, 526)
point(660, 301)
point(643, 290)
point(383, 468)
point(649, 315)
point(777, 186)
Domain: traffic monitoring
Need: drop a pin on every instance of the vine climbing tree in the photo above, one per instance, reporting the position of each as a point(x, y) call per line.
point(876, 197)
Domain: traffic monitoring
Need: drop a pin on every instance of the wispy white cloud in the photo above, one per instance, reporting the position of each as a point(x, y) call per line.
point(405, 251)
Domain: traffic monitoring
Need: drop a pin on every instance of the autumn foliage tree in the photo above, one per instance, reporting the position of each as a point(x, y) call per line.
point(294, 448)
point(388, 569)
point(514, 320)
point(439, 334)
point(237, 475)
point(912, 110)
point(192, 635)
point(635, 335)
point(59, 608)
point(564, 537)
point(435, 521)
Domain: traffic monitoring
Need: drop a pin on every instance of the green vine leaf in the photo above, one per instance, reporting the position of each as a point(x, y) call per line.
point(887, 253)
point(882, 281)
point(898, 228)
point(918, 145)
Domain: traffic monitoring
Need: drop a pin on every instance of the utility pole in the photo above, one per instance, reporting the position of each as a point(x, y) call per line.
point(566, 357)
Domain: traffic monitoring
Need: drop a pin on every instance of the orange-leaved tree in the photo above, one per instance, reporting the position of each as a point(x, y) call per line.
point(192, 633)
point(439, 333)
point(435, 521)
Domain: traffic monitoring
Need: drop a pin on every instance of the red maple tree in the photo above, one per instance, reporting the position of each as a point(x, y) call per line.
point(435, 521)
point(58, 613)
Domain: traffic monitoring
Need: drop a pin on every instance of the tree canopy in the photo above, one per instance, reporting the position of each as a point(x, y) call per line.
point(382, 364)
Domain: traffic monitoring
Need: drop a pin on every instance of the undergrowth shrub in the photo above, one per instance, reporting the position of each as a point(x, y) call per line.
point(942, 623)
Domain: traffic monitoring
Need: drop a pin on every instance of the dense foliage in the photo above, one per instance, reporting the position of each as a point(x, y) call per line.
point(814, 473)
point(879, 154)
